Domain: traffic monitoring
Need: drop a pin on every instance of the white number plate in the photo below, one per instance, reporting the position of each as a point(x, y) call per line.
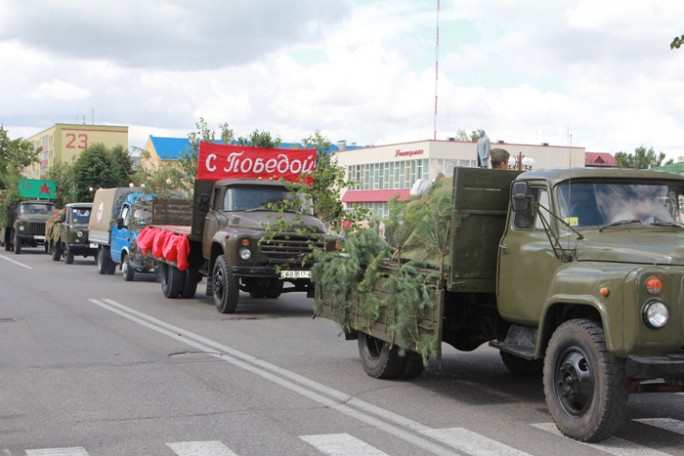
point(39, 238)
point(93, 246)
point(295, 274)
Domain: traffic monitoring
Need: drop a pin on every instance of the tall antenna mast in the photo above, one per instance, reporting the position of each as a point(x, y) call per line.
point(436, 71)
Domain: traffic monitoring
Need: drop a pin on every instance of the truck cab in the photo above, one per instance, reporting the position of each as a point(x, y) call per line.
point(68, 237)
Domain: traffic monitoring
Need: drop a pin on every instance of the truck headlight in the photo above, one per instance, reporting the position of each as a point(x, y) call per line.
point(22, 227)
point(655, 314)
point(245, 254)
point(79, 234)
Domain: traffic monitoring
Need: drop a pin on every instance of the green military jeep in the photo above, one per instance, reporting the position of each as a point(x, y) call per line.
point(68, 237)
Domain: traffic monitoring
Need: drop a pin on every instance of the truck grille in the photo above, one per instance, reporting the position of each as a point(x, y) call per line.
point(286, 249)
point(36, 228)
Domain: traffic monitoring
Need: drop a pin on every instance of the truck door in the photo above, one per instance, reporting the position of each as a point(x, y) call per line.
point(526, 263)
point(121, 237)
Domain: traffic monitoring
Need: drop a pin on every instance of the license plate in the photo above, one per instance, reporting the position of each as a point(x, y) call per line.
point(295, 274)
point(93, 246)
point(39, 238)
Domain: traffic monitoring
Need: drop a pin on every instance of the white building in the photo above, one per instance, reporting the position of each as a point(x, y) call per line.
point(380, 172)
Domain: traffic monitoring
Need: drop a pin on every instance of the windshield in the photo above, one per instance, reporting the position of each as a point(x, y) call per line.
point(253, 198)
point(80, 215)
point(46, 209)
point(585, 204)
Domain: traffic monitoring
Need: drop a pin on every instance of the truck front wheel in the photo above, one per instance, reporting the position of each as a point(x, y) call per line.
point(584, 384)
point(225, 287)
point(69, 258)
point(382, 360)
point(127, 269)
point(17, 245)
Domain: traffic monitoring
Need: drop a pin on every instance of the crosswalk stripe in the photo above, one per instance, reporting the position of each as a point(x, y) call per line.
point(669, 424)
point(205, 448)
point(613, 445)
point(75, 451)
point(341, 445)
point(472, 443)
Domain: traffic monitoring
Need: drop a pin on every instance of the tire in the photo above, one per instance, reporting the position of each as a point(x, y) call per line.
point(190, 285)
point(172, 281)
point(69, 258)
point(224, 286)
point(378, 359)
point(127, 269)
point(584, 384)
point(17, 245)
point(413, 365)
point(7, 242)
point(103, 260)
point(57, 251)
point(521, 366)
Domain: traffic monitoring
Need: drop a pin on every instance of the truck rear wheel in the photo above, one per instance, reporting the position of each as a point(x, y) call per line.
point(57, 251)
point(103, 260)
point(172, 280)
point(224, 286)
point(190, 284)
point(380, 360)
point(584, 384)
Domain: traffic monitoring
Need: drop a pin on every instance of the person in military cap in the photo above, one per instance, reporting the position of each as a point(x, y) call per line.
point(499, 158)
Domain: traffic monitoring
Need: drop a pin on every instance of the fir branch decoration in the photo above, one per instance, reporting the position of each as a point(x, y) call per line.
point(411, 264)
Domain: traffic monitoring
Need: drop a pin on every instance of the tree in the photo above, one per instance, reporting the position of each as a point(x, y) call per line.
point(15, 155)
point(641, 159)
point(677, 42)
point(98, 167)
point(63, 175)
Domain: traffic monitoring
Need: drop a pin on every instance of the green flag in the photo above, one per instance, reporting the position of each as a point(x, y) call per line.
point(37, 188)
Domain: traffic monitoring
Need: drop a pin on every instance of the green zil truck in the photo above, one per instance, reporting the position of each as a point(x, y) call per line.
point(22, 224)
point(574, 273)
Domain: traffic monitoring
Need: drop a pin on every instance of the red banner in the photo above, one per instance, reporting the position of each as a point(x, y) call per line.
point(220, 161)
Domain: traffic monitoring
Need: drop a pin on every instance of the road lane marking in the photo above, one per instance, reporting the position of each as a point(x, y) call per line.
point(16, 262)
point(473, 443)
point(341, 445)
point(389, 422)
point(613, 445)
point(205, 448)
point(76, 451)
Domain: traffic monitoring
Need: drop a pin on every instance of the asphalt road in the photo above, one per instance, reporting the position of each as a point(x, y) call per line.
point(93, 365)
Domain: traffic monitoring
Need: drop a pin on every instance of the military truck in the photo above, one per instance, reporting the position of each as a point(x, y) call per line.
point(576, 273)
point(22, 224)
point(67, 236)
point(117, 216)
point(228, 240)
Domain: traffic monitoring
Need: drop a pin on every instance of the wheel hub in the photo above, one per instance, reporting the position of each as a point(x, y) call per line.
point(575, 382)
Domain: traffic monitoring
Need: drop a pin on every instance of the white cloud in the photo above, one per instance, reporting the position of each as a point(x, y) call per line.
point(59, 90)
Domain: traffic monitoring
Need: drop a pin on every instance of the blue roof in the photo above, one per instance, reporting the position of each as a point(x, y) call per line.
point(170, 148)
point(174, 148)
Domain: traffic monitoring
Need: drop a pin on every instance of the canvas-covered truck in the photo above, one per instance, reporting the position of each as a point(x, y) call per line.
point(228, 241)
point(67, 233)
point(22, 224)
point(117, 216)
point(578, 273)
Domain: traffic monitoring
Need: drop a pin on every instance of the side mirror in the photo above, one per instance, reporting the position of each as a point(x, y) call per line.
point(520, 201)
point(120, 222)
point(62, 217)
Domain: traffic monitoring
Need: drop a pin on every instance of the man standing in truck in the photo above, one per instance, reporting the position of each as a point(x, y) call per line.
point(499, 158)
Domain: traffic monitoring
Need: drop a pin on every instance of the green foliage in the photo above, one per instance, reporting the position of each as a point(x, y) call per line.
point(677, 42)
point(99, 167)
point(15, 155)
point(63, 175)
point(641, 159)
point(396, 280)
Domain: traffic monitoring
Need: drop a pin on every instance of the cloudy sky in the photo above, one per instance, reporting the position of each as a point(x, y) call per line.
point(598, 74)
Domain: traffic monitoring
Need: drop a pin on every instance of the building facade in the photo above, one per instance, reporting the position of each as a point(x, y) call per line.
point(64, 142)
point(382, 172)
